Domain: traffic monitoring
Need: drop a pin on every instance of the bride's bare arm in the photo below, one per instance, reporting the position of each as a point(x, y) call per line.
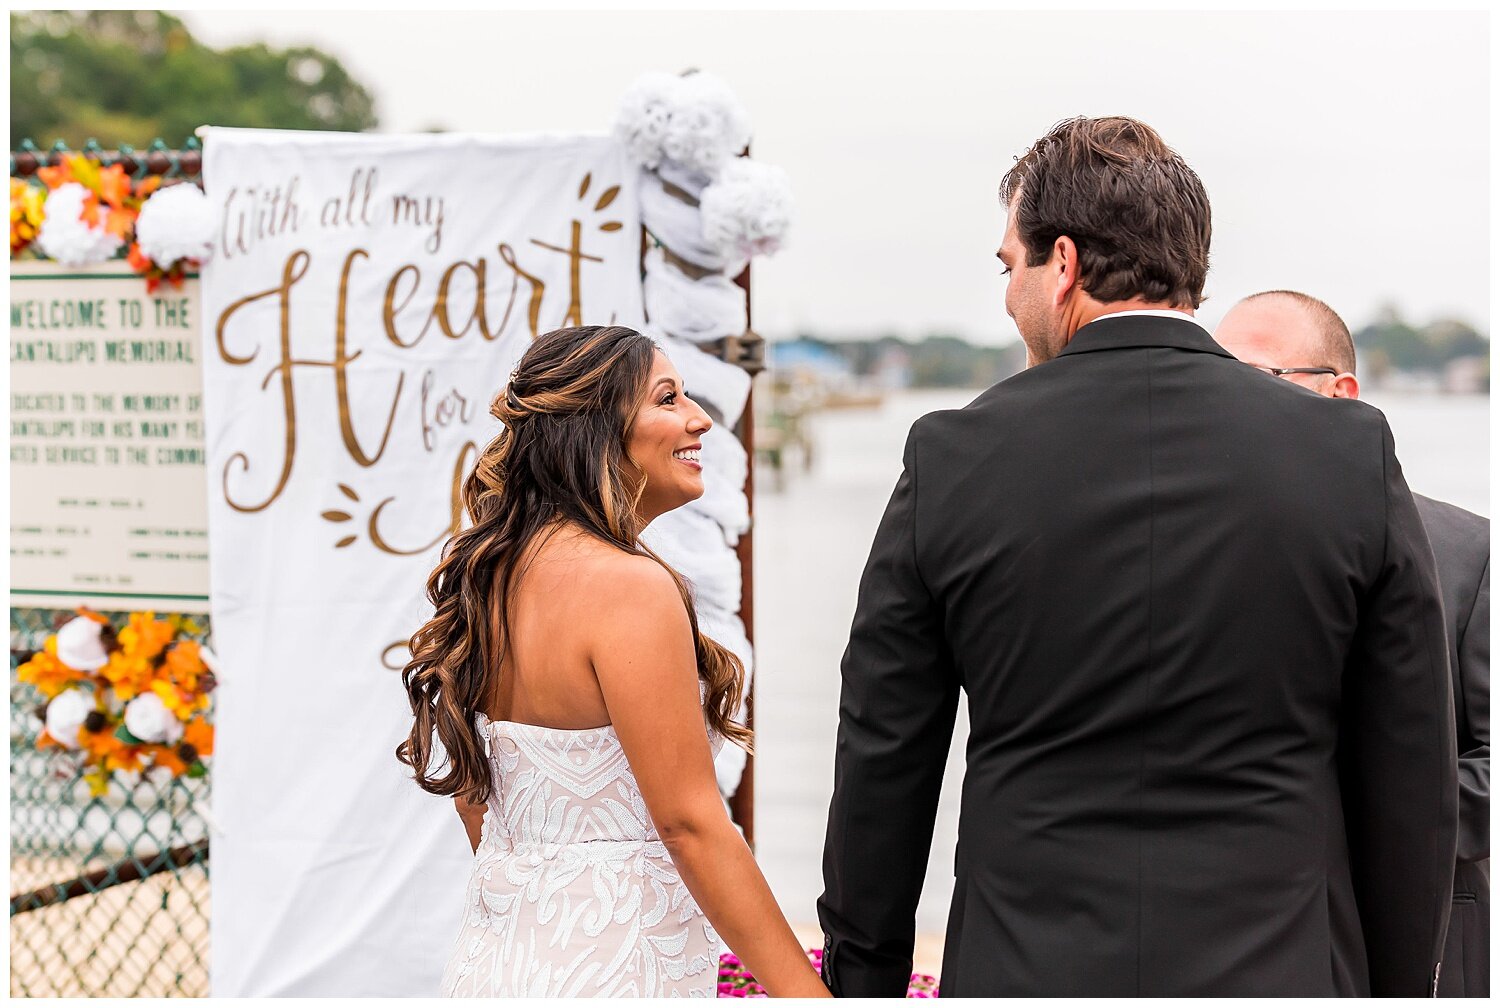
point(642, 651)
point(473, 820)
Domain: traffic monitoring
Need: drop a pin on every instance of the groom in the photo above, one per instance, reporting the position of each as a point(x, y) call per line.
point(1195, 617)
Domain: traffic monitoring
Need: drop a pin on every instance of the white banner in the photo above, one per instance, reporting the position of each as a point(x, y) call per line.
point(369, 297)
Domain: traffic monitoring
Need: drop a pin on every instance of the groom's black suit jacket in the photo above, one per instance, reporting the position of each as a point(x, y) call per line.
point(1211, 748)
point(1461, 546)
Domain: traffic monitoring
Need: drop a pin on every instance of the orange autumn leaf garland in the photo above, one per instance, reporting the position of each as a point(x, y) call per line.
point(112, 198)
point(113, 202)
point(25, 215)
point(47, 673)
point(153, 273)
point(132, 698)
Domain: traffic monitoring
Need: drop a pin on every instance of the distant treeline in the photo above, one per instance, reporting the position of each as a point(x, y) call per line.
point(127, 76)
point(943, 360)
point(939, 360)
point(1391, 344)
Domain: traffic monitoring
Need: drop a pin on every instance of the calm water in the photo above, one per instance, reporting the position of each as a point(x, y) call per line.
point(811, 540)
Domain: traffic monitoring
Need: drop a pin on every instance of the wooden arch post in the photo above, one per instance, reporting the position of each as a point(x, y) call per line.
point(748, 352)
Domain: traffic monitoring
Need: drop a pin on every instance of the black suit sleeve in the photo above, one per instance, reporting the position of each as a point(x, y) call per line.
point(1399, 756)
point(1474, 765)
point(896, 714)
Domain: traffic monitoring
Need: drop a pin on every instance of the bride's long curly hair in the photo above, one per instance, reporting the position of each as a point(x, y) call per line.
point(568, 413)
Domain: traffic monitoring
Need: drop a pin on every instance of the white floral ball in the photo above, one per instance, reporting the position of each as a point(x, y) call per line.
point(708, 126)
point(80, 644)
point(65, 237)
point(176, 223)
point(148, 719)
point(748, 210)
point(645, 110)
point(694, 121)
point(65, 715)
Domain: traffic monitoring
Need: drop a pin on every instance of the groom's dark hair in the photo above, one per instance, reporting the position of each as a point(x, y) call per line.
point(1137, 213)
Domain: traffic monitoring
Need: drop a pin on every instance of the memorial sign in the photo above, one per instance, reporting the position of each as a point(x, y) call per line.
point(108, 499)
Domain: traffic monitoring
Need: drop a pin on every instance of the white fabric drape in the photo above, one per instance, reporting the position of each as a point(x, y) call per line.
point(677, 223)
point(694, 310)
point(685, 310)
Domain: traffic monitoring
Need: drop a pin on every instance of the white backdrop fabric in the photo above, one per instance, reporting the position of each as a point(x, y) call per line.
point(347, 382)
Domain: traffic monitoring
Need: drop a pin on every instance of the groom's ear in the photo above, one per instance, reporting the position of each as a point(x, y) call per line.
point(1063, 265)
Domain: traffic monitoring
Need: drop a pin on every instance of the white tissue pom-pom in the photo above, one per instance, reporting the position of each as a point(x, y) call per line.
point(708, 125)
point(148, 719)
point(645, 110)
point(695, 121)
point(80, 644)
point(748, 210)
point(176, 223)
point(65, 237)
point(65, 715)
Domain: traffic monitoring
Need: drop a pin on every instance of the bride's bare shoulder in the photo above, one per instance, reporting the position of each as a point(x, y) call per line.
point(601, 574)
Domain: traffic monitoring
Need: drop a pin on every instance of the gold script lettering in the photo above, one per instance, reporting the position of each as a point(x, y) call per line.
point(385, 654)
point(575, 255)
point(294, 270)
point(390, 308)
point(451, 405)
point(455, 509)
point(396, 301)
point(538, 287)
point(441, 308)
point(341, 378)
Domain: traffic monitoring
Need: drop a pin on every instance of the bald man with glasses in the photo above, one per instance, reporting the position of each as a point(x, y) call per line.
point(1301, 339)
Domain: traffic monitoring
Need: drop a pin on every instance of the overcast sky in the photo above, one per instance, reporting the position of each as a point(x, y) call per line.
point(1345, 154)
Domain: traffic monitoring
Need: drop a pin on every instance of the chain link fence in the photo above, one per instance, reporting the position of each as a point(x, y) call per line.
point(109, 895)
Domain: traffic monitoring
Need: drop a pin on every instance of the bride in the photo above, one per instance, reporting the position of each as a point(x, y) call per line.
point(578, 706)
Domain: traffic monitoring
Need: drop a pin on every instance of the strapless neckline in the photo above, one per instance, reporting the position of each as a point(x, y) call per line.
point(486, 722)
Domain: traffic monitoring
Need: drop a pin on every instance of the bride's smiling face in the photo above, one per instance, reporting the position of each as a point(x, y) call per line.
point(664, 442)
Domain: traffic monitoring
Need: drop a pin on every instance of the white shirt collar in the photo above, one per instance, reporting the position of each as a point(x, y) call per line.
point(1159, 312)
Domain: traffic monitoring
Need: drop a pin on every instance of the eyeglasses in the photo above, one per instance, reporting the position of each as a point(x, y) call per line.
point(1279, 371)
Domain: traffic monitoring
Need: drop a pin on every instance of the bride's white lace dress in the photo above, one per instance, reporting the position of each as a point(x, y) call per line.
point(573, 893)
